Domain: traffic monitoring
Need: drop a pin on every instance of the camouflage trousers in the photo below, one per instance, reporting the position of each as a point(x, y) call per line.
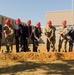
point(62, 42)
point(50, 44)
point(9, 43)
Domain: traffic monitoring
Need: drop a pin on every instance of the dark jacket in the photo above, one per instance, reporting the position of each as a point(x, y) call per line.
point(0, 31)
point(29, 29)
point(25, 31)
point(71, 34)
point(18, 30)
point(36, 34)
point(22, 31)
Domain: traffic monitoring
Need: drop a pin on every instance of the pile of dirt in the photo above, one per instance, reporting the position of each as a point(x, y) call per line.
point(43, 56)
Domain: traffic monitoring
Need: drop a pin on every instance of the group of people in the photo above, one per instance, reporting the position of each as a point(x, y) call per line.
point(24, 33)
point(65, 36)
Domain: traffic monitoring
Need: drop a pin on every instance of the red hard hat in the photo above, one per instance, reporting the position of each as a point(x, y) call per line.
point(64, 22)
point(7, 21)
point(29, 22)
point(18, 21)
point(38, 24)
point(49, 23)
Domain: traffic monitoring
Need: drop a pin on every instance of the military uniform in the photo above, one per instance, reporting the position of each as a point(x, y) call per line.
point(62, 38)
point(29, 29)
point(9, 36)
point(50, 34)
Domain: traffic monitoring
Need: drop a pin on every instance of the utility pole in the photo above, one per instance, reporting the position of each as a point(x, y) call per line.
point(72, 12)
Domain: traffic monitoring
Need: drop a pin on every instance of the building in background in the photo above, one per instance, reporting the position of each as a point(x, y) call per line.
point(58, 16)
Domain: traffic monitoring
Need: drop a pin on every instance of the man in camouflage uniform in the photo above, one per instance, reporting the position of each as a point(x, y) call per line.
point(8, 33)
point(50, 34)
point(62, 39)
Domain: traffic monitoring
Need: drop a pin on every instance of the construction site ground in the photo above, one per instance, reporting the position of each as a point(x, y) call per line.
point(36, 63)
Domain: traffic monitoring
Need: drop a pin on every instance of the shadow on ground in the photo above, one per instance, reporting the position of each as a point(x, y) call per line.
point(48, 68)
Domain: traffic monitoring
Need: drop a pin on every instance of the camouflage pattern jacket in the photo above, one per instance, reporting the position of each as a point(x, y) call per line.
point(50, 32)
point(9, 31)
point(63, 32)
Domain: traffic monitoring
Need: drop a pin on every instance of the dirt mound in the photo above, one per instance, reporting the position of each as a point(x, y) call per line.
point(47, 56)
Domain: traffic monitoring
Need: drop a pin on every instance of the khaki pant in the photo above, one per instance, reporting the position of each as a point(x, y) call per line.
point(29, 40)
point(9, 43)
point(62, 45)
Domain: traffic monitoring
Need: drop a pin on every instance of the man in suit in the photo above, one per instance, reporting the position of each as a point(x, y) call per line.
point(29, 27)
point(36, 36)
point(18, 31)
point(0, 35)
point(21, 33)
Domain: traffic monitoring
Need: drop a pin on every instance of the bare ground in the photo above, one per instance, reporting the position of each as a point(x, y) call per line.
point(40, 63)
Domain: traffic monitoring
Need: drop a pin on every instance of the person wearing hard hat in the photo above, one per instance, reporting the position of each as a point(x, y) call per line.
point(21, 36)
point(0, 35)
point(50, 34)
point(70, 38)
point(36, 34)
point(9, 35)
point(18, 33)
point(62, 38)
point(29, 27)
